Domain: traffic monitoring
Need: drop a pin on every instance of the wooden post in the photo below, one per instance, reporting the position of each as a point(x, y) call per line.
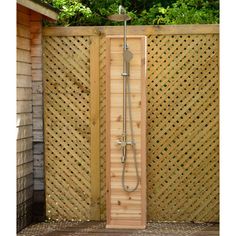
point(94, 119)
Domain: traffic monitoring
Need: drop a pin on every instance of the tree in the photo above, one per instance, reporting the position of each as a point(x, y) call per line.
point(142, 12)
point(192, 12)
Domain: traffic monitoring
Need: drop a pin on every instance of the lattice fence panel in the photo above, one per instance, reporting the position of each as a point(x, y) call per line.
point(67, 127)
point(102, 76)
point(182, 128)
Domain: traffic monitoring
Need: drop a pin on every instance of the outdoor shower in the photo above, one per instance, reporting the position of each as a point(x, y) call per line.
point(126, 125)
point(123, 142)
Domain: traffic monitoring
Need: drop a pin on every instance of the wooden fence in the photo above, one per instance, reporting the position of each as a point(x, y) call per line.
point(182, 121)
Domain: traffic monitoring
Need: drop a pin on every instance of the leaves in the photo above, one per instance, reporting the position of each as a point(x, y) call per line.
point(191, 12)
point(142, 12)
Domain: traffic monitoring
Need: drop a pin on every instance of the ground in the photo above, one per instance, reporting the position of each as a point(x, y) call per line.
point(98, 228)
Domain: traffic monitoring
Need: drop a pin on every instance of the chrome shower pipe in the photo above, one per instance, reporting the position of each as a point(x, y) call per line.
point(125, 75)
point(127, 56)
point(123, 142)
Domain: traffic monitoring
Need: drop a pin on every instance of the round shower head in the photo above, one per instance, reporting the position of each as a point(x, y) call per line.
point(119, 17)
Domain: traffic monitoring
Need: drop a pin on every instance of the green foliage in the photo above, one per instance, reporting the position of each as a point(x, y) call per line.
point(192, 12)
point(142, 12)
point(71, 11)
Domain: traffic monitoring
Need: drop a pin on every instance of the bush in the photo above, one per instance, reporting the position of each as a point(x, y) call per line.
point(142, 12)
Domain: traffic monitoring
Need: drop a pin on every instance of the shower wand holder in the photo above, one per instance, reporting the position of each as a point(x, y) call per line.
point(124, 74)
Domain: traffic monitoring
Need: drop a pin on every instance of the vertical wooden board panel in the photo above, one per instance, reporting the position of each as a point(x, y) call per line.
point(94, 126)
point(37, 89)
point(36, 38)
point(108, 150)
point(143, 129)
point(39, 185)
point(123, 213)
point(38, 112)
point(37, 99)
point(38, 135)
point(36, 50)
point(36, 26)
point(37, 75)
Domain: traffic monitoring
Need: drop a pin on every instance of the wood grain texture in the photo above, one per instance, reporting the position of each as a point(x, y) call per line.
point(132, 30)
point(24, 120)
point(24, 156)
point(39, 8)
point(37, 80)
point(23, 43)
point(182, 111)
point(68, 116)
point(129, 213)
point(182, 127)
point(94, 126)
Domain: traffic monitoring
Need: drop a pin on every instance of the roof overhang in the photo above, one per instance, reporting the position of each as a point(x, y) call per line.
point(40, 7)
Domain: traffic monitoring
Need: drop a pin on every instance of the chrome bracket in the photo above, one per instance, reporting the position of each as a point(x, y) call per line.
point(124, 74)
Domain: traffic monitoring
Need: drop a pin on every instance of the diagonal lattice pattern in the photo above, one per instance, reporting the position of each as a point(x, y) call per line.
point(182, 127)
point(67, 127)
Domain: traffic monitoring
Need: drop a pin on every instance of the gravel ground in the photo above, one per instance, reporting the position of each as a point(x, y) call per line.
point(68, 228)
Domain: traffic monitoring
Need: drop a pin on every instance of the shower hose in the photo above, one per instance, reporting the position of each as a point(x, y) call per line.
point(127, 188)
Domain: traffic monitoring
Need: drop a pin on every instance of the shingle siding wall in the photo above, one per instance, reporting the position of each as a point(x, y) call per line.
point(29, 117)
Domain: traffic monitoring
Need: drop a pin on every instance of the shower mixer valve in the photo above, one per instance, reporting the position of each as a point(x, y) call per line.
point(123, 145)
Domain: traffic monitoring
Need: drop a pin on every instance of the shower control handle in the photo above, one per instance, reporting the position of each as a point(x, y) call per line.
point(124, 143)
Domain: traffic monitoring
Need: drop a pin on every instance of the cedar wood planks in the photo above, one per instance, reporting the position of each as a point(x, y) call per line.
point(125, 210)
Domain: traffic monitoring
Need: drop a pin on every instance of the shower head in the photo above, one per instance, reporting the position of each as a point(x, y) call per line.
point(121, 16)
